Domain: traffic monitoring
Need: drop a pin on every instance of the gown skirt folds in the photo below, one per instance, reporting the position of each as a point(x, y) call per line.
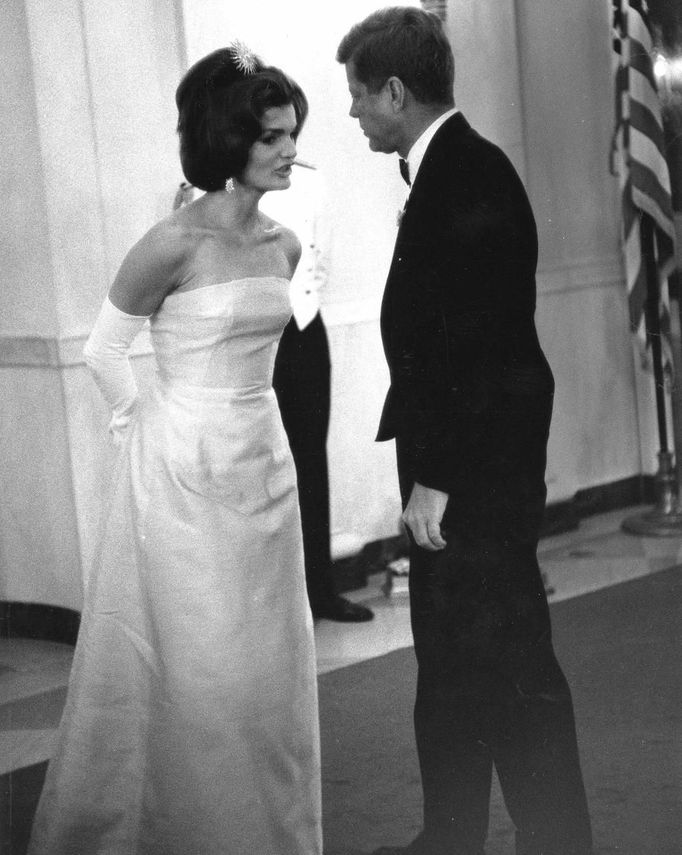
point(191, 722)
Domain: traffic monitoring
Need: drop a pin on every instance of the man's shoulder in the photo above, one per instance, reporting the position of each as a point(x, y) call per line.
point(459, 148)
point(457, 132)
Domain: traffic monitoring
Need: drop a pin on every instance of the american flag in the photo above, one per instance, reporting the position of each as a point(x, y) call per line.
point(639, 159)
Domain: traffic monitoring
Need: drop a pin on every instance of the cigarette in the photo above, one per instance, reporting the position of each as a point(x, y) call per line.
point(304, 163)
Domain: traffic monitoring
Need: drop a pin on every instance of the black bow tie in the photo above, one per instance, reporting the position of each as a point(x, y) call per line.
point(404, 170)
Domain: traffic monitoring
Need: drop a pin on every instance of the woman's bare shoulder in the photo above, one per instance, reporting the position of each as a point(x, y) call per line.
point(153, 267)
point(290, 243)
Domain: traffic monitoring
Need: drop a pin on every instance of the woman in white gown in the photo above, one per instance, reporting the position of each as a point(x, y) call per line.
point(191, 725)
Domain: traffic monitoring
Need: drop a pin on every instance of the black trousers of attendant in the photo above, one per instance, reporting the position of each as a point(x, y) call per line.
point(490, 690)
point(302, 382)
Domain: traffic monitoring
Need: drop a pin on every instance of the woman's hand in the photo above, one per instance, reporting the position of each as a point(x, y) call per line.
point(423, 516)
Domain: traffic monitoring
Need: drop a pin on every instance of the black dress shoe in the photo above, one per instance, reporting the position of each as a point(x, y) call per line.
point(342, 610)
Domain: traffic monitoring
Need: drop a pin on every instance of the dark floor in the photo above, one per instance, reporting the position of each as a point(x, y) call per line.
point(619, 646)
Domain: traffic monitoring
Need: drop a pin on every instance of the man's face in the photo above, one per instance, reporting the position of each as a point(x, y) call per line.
point(374, 111)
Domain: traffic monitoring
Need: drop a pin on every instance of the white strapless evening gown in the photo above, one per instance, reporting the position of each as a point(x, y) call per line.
point(191, 723)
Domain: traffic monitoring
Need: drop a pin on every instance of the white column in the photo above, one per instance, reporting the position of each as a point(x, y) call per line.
point(87, 120)
point(488, 73)
point(568, 100)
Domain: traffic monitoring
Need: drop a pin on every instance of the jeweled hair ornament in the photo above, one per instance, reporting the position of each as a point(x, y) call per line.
point(244, 58)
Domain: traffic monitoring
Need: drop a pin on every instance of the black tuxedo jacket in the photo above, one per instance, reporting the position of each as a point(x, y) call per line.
point(457, 317)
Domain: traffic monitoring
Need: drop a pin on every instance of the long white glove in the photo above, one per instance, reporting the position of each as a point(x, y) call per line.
point(106, 354)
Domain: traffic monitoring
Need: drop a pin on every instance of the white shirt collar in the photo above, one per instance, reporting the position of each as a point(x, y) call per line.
point(418, 150)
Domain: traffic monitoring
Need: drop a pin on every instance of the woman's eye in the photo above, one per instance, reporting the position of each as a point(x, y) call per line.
point(268, 140)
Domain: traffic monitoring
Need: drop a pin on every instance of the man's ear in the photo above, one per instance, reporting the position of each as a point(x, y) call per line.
point(396, 91)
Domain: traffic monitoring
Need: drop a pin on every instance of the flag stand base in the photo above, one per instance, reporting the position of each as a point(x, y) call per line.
point(665, 519)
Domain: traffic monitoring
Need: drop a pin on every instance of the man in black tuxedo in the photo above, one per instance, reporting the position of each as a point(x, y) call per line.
point(469, 406)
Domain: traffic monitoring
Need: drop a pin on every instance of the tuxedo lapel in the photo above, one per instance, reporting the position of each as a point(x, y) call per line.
point(413, 258)
point(420, 208)
point(421, 204)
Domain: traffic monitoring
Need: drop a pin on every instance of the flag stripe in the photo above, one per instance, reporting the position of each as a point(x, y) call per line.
point(648, 195)
point(633, 256)
point(640, 61)
point(644, 150)
point(636, 300)
point(640, 94)
point(629, 213)
point(644, 121)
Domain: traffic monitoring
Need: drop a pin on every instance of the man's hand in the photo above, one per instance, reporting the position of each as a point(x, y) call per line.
point(423, 516)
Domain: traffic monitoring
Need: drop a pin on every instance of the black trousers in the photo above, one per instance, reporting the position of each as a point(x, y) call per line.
point(302, 381)
point(490, 690)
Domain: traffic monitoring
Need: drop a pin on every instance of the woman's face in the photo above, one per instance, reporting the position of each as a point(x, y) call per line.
point(271, 156)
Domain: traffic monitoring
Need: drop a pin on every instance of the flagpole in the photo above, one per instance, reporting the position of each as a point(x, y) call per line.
point(676, 390)
point(665, 519)
point(653, 324)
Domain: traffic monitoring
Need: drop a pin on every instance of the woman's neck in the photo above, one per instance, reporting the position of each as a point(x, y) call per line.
point(236, 208)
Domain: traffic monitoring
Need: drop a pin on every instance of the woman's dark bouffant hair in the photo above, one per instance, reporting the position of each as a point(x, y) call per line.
point(220, 107)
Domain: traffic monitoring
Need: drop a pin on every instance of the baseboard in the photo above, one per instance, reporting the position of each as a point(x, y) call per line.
point(38, 621)
point(352, 573)
point(566, 515)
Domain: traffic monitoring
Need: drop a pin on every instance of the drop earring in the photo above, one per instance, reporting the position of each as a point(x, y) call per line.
point(229, 185)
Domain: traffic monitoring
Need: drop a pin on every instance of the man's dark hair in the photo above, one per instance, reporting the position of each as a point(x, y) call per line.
point(403, 42)
point(220, 108)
